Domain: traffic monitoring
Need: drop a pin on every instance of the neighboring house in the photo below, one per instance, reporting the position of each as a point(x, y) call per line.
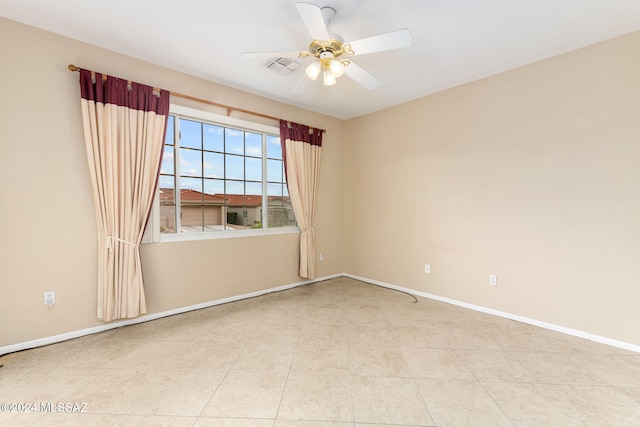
point(235, 211)
point(280, 212)
point(242, 210)
point(195, 205)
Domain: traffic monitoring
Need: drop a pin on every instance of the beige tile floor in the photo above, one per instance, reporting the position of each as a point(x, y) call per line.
point(335, 353)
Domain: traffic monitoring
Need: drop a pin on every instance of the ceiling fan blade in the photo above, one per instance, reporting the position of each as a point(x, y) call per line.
point(393, 40)
point(361, 76)
point(314, 21)
point(250, 55)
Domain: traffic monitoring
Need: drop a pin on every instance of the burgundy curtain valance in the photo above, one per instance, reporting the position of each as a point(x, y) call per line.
point(302, 133)
point(112, 90)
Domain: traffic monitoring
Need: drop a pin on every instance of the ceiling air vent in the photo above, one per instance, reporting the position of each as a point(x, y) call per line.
point(282, 66)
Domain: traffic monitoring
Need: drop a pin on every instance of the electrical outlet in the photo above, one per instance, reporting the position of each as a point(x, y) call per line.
point(427, 268)
point(49, 298)
point(493, 279)
point(321, 256)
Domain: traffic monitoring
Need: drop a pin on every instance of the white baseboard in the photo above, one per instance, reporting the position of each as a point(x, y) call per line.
point(145, 318)
point(545, 325)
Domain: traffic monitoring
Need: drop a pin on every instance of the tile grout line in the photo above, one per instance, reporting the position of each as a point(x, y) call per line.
point(483, 388)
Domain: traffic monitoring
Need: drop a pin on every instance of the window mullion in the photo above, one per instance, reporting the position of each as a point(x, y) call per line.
point(176, 170)
point(265, 185)
point(202, 187)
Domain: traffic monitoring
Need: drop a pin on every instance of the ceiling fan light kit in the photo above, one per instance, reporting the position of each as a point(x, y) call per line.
point(330, 67)
point(313, 70)
point(327, 49)
point(328, 79)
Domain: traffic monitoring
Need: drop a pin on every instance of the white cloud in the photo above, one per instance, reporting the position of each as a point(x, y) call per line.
point(213, 171)
point(254, 151)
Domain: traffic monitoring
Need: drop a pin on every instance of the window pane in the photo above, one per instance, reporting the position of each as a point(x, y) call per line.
point(253, 169)
point(214, 187)
point(213, 138)
point(274, 170)
point(234, 167)
point(213, 165)
point(167, 204)
point(190, 162)
point(213, 200)
point(190, 134)
point(191, 218)
point(191, 205)
point(193, 184)
point(212, 218)
point(167, 160)
point(251, 215)
point(254, 188)
point(274, 149)
point(170, 127)
point(234, 141)
point(280, 213)
point(167, 218)
point(274, 189)
point(253, 144)
point(235, 187)
point(167, 181)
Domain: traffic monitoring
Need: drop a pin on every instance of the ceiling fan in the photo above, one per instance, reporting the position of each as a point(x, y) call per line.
point(330, 51)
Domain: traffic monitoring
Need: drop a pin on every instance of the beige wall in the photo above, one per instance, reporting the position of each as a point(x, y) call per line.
point(43, 163)
point(531, 175)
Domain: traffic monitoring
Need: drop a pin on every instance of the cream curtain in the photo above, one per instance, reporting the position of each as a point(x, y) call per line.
point(124, 128)
point(301, 149)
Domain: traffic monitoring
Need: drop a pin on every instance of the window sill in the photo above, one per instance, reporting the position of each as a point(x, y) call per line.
point(185, 237)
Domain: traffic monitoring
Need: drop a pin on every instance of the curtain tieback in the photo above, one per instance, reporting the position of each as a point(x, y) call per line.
point(110, 240)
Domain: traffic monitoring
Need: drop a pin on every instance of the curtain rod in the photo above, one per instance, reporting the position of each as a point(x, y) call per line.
point(229, 108)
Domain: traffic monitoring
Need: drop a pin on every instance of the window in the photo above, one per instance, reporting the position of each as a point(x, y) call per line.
point(221, 176)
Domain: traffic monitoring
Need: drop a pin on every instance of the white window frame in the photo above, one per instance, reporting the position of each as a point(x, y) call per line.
point(152, 232)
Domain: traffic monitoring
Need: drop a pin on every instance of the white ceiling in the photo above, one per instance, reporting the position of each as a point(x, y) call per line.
point(455, 41)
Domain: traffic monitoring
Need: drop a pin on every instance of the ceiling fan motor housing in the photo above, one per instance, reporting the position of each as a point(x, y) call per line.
point(318, 47)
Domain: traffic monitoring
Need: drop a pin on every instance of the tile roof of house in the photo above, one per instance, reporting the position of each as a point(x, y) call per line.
point(188, 195)
point(242, 200)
